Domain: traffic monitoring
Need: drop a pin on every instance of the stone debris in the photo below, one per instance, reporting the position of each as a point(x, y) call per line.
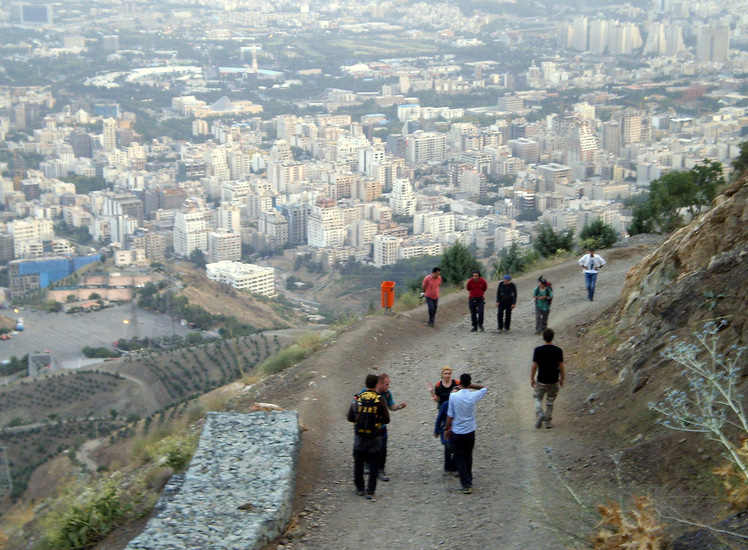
point(238, 490)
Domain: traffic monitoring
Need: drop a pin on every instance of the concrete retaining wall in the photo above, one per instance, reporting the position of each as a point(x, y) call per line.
point(238, 490)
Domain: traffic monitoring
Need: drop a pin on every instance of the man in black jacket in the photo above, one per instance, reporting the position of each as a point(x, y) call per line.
point(506, 299)
point(369, 412)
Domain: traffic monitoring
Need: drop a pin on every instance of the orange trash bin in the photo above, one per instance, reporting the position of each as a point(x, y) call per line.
point(388, 294)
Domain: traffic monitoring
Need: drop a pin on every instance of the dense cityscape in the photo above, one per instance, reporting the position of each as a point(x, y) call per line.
point(347, 132)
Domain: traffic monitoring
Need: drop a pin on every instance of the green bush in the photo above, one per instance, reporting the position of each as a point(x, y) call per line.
point(283, 359)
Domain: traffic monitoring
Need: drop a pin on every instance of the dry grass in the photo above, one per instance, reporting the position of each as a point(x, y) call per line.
point(734, 483)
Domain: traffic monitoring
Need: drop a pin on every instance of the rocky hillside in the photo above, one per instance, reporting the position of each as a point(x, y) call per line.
point(698, 275)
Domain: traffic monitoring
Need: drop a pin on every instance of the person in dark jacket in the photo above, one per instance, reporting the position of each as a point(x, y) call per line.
point(506, 300)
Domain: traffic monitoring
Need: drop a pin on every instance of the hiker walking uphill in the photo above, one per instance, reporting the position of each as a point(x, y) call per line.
point(430, 285)
point(506, 300)
point(369, 413)
point(543, 296)
point(476, 287)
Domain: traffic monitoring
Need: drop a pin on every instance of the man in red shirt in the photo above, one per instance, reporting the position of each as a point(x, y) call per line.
point(431, 284)
point(476, 287)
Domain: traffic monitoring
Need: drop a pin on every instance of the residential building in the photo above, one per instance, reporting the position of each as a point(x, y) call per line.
point(252, 278)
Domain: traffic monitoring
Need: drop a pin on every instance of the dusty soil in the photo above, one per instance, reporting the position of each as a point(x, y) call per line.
point(518, 501)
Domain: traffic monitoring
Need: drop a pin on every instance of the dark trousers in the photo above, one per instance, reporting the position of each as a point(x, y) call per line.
point(366, 449)
point(449, 458)
point(383, 449)
point(463, 448)
point(541, 319)
point(476, 311)
point(589, 281)
point(505, 316)
point(432, 304)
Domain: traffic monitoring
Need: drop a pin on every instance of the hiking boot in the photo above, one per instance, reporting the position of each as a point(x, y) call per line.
point(467, 490)
point(369, 496)
point(480, 328)
point(474, 329)
point(539, 421)
point(360, 493)
point(506, 331)
point(548, 423)
point(382, 476)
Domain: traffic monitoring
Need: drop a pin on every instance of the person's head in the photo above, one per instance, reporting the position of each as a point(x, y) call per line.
point(542, 283)
point(446, 373)
point(371, 381)
point(548, 335)
point(383, 383)
point(592, 251)
point(476, 274)
point(436, 272)
point(465, 380)
point(507, 278)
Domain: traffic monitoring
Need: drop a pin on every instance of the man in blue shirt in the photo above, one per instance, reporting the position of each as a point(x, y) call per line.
point(460, 428)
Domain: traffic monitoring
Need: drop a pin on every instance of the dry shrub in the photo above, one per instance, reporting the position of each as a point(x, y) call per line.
point(637, 529)
point(734, 482)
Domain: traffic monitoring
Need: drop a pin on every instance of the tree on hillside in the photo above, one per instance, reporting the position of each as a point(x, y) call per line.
point(740, 163)
point(458, 263)
point(512, 261)
point(197, 257)
point(707, 180)
point(548, 242)
point(597, 234)
point(675, 193)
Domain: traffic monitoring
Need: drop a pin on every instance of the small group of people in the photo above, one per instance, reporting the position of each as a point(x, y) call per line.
point(506, 295)
point(455, 421)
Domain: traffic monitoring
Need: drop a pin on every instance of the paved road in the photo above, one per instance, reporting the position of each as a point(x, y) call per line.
point(65, 335)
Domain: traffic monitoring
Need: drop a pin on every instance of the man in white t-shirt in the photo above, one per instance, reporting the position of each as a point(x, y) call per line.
point(460, 428)
point(591, 264)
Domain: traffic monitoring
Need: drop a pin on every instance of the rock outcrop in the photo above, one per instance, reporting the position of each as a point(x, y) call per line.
point(698, 275)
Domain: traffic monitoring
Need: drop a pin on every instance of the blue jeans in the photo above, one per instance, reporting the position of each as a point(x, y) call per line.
point(432, 304)
point(589, 280)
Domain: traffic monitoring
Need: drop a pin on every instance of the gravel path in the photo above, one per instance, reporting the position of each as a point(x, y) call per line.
point(419, 508)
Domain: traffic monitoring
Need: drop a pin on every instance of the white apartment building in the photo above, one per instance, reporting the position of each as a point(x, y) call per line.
point(423, 147)
point(325, 227)
point(434, 223)
point(385, 250)
point(30, 229)
point(362, 233)
point(224, 245)
point(252, 278)
point(411, 248)
point(402, 198)
point(135, 256)
point(190, 233)
point(229, 218)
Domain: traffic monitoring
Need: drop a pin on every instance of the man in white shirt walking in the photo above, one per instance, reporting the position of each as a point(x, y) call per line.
point(591, 264)
point(460, 428)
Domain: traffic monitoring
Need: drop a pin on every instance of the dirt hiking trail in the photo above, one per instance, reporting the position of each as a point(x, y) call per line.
point(419, 508)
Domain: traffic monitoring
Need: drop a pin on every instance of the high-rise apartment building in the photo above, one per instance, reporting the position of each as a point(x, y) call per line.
point(423, 147)
point(224, 245)
point(713, 44)
point(631, 127)
point(325, 226)
point(190, 233)
point(109, 134)
point(402, 198)
point(385, 250)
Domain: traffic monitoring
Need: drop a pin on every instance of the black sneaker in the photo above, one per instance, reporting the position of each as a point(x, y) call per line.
point(474, 329)
point(369, 496)
point(382, 476)
point(360, 493)
point(480, 328)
